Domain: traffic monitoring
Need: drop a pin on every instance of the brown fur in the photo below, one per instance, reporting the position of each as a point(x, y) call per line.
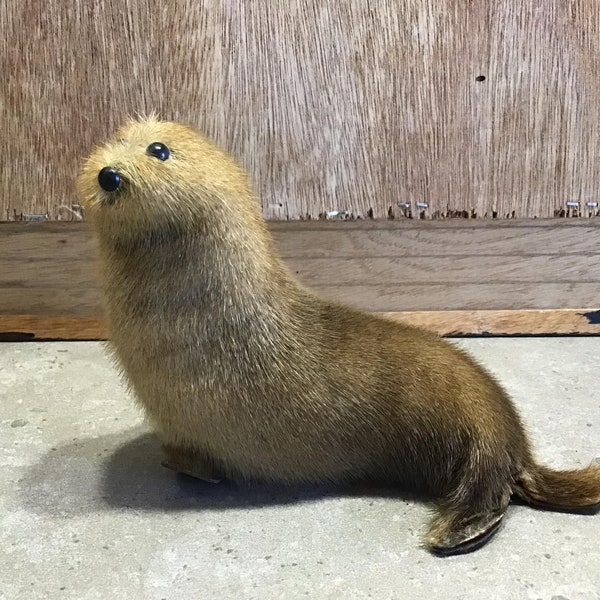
point(244, 373)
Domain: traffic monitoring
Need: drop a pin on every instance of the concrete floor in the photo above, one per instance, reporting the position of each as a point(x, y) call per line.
point(88, 512)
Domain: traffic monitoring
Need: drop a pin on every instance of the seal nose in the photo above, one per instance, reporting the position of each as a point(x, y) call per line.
point(109, 179)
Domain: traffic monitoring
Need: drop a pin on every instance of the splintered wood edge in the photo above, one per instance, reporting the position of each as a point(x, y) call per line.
point(454, 323)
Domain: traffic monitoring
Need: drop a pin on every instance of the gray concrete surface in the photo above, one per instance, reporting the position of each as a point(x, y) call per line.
point(87, 512)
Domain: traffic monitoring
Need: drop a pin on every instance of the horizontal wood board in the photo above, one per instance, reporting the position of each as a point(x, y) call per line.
point(458, 323)
point(480, 271)
point(477, 107)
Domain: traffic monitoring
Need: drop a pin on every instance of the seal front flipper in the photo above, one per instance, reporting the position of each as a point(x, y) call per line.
point(191, 463)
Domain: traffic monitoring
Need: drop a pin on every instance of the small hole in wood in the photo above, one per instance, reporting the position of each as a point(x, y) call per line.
point(480, 78)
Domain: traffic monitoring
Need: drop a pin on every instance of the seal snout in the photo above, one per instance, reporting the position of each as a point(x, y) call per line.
point(109, 179)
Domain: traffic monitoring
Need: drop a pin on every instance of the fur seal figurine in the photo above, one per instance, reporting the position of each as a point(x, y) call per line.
point(246, 374)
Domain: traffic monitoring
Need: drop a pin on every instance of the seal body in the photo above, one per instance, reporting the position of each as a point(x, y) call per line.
point(244, 373)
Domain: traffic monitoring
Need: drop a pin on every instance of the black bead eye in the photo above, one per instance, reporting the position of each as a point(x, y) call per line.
point(158, 150)
point(109, 179)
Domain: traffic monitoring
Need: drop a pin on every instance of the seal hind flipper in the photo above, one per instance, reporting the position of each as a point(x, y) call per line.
point(449, 536)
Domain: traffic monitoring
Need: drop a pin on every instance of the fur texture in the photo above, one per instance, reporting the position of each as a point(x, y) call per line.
point(244, 373)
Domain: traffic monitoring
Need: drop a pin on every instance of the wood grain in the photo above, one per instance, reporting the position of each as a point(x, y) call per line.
point(331, 106)
point(28, 328)
point(49, 268)
point(457, 323)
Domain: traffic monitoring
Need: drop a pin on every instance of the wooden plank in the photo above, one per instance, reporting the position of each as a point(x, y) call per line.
point(400, 270)
point(26, 328)
point(448, 323)
point(331, 106)
point(471, 296)
point(360, 239)
point(537, 238)
point(48, 268)
point(504, 322)
point(84, 300)
point(387, 271)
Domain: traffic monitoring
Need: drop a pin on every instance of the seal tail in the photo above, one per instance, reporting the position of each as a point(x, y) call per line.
point(575, 490)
